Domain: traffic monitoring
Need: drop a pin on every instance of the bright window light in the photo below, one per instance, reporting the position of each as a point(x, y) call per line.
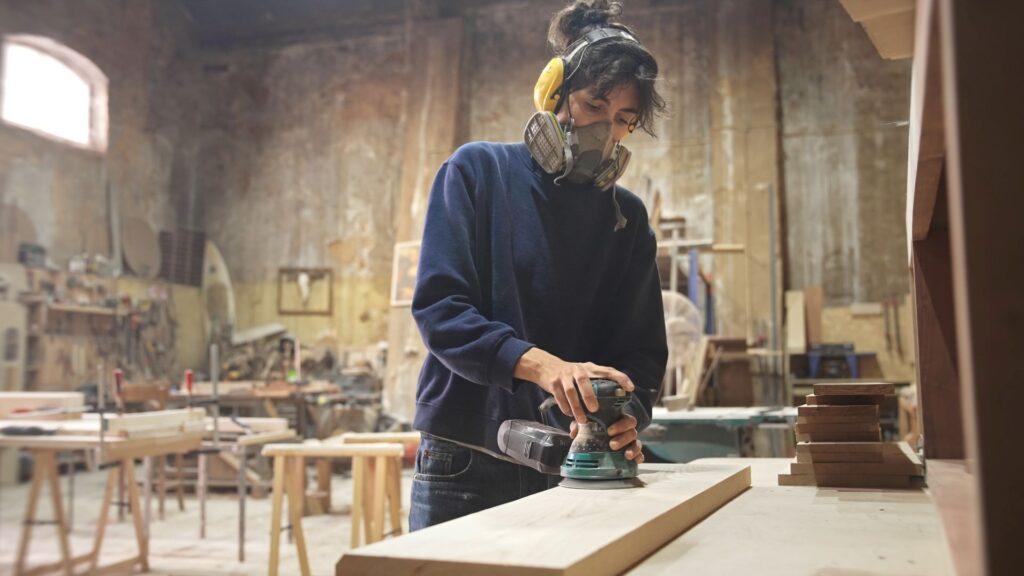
point(51, 89)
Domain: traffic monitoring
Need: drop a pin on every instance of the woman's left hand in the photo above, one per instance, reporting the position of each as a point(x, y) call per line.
point(623, 436)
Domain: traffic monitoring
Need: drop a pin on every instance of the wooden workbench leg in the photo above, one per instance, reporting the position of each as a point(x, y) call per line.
point(128, 465)
point(120, 493)
point(358, 479)
point(58, 509)
point(369, 472)
point(161, 478)
point(30, 511)
point(180, 459)
point(296, 495)
point(323, 483)
point(380, 491)
point(201, 492)
point(101, 523)
point(395, 494)
point(275, 514)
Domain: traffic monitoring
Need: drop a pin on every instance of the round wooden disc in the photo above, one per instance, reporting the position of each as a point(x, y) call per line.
point(141, 248)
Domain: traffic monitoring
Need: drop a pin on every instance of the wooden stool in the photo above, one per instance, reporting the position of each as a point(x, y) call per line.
point(394, 471)
point(371, 464)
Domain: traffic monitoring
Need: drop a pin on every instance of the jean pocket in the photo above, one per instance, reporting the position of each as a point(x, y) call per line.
point(441, 460)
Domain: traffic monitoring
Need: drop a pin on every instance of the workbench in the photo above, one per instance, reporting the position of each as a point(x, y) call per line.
point(112, 449)
point(803, 531)
point(696, 518)
point(708, 432)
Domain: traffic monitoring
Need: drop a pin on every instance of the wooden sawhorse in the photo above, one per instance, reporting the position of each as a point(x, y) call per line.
point(376, 464)
point(123, 453)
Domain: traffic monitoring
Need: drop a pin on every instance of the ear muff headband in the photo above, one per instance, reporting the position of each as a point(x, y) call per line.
point(547, 93)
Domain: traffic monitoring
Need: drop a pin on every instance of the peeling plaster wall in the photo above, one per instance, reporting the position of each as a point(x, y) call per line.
point(299, 165)
point(844, 112)
point(57, 192)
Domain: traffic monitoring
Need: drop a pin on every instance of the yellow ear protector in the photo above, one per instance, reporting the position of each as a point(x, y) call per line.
point(550, 88)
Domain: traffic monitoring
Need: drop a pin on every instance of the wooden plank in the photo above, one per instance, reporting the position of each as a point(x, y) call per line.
point(838, 419)
point(561, 530)
point(694, 373)
point(810, 457)
point(861, 10)
point(796, 323)
point(314, 449)
point(869, 468)
point(854, 389)
point(32, 401)
point(808, 410)
point(839, 437)
point(838, 427)
point(821, 447)
point(814, 300)
point(839, 400)
point(846, 481)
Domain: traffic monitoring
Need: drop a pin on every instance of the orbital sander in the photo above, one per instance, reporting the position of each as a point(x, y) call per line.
point(587, 461)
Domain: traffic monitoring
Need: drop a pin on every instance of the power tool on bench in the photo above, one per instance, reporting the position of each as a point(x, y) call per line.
point(587, 462)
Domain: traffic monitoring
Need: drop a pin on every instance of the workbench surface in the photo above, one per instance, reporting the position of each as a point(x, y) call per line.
point(774, 530)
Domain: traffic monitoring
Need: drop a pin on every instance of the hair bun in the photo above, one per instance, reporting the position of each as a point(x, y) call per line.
point(578, 18)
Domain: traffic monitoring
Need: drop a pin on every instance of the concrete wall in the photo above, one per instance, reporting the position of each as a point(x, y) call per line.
point(844, 136)
point(299, 165)
point(55, 194)
point(58, 192)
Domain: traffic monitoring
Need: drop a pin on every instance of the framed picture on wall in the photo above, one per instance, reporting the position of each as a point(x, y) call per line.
point(305, 291)
point(403, 272)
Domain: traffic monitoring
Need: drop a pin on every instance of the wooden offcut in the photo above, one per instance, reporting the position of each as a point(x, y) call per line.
point(844, 400)
point(846, 480)
point(825, 411)
point(854, 389)
point(838, 427)
point(796, 323)
point(560, 531)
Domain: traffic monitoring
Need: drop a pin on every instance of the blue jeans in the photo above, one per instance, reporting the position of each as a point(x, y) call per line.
point(452, 481)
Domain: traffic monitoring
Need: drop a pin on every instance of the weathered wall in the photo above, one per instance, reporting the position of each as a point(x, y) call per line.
point(844, 113)
point(61, 190)
point(299, 165)
point(55, 194)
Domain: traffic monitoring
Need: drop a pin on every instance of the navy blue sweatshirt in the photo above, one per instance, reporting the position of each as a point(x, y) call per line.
point(510, 260)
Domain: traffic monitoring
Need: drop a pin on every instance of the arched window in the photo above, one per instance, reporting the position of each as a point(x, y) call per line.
point(50, 89)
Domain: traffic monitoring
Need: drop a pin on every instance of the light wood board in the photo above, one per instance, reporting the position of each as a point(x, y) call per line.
point(796, 323)
point(561, 530)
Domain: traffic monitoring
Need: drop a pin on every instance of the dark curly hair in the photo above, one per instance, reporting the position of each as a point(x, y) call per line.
point(609, 64)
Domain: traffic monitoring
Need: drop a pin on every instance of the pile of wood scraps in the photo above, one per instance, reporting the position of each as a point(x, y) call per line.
point(840, 444)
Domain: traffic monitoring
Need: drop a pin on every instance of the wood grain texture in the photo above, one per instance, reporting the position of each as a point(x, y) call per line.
point(809, 457)
point(841, 400)
point(846, 480)
point(839, 437)
point(561, 531)
point(869, 468)
point(826, 411)
point(854, 389)
point(837, 427)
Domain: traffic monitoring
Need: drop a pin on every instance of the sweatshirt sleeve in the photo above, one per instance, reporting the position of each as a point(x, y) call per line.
point(446, 301)
point(637, 344)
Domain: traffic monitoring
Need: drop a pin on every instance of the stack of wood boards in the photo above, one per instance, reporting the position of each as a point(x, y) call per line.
point(839, 441)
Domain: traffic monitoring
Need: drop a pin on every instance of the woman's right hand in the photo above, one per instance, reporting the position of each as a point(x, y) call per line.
point(562, 379)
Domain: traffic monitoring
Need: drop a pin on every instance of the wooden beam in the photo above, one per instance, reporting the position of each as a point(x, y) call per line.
point(561, 531)
point(983, 118)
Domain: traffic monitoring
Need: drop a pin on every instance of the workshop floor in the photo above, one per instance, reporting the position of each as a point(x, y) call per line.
point(175, 547)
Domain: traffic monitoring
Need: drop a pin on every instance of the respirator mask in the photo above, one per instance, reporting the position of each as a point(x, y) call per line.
point(577, 155)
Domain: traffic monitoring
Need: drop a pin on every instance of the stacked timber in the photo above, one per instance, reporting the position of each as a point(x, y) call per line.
point(839, 441)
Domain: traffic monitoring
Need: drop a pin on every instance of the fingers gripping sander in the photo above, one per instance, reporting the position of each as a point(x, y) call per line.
point(587, 462)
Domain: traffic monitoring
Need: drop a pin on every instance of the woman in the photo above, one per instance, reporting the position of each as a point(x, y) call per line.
point(537, 273)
